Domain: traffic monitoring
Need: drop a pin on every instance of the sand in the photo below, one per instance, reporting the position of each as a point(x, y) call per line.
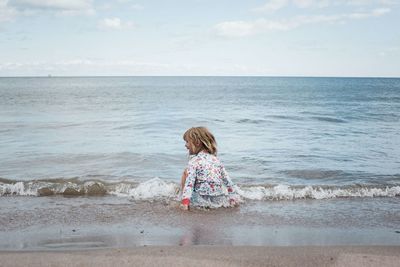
point(109, 232)
point(210, 256)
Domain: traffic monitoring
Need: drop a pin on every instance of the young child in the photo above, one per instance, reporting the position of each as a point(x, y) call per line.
point(205, 182)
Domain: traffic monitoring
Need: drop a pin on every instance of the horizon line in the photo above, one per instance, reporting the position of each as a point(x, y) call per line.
point(239, 76)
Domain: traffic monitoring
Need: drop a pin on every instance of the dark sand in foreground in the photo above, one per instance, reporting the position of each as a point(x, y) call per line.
point(210, 256)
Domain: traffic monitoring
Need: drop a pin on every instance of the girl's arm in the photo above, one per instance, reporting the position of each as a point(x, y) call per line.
point(227, 180)
point(183, 179)
point(232, 192)
point(189, 184)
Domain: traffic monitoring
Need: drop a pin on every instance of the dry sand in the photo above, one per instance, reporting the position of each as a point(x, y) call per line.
point(209, 256)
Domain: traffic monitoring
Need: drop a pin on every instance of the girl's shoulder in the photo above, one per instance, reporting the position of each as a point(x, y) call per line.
point(195, 158)
point(203, 157)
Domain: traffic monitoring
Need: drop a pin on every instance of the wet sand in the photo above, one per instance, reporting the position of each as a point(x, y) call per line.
point(58, 223)
point(210, 256)
point(108, 231)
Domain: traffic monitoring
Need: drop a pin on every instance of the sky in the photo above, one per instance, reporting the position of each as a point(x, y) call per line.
point(343, 38)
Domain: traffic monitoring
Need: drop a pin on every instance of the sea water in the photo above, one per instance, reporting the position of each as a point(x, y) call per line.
point(289, 132)
point(280, 138)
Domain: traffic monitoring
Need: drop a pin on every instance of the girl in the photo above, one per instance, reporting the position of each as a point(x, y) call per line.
point(205, 182)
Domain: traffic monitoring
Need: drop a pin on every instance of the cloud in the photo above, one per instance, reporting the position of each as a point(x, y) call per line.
point(130, 4)
point(275, 5)
point(368, 2)
point(247, 28)
point(120, 4)
point(6, 13)
point(114, 24)
point(272, 5)
point(234, 29)
point(51, 4)
point(375, 13)
point(307, 3)
point(84, 66)
point(110, 23)
point(64, 7)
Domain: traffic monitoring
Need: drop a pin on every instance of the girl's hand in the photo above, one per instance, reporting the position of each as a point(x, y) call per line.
point(184, 207)
point(233, 202)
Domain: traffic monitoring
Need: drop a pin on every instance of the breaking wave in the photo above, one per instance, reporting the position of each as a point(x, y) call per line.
point(157, 188)
point(285, 192)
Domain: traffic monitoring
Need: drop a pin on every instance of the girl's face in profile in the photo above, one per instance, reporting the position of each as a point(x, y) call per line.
point(190, 146)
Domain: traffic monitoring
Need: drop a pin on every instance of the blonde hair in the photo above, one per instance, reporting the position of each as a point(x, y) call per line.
point(202, 139)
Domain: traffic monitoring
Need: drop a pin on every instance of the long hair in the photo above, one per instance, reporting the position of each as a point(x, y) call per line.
point(202, 139)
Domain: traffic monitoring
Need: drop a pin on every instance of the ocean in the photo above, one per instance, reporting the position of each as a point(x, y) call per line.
point(321, 152)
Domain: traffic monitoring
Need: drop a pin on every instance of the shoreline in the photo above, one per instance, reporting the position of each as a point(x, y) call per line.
point(58, 223)
point(209, 256)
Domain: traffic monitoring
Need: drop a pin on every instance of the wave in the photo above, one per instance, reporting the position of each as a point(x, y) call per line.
point(285, 117)
point(285, 192)
point(328, 119)
point(251, 121)
point(156, 188)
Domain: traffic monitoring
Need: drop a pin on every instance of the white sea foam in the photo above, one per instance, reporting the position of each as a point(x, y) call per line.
point(17, 188)
point(121, 189)
point(157, 188)
point(151, 189)
point(285, 192)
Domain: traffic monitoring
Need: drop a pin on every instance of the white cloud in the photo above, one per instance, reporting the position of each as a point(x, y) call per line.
point(304, 3)
point(272, 5)
point(52, 4)
point(234, 29)
point(110, 23)
point(368, 2)
point(247, 28)
point(114, 24)
point(83, 66)
point(11, 9)
point(375, 13)
point(314, 3)
point(119, 4)
point(6, 13)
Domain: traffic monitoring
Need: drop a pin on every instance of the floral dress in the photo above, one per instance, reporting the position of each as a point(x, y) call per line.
point(208, 184)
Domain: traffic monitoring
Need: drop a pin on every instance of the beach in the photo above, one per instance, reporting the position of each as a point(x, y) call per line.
point(210, 256)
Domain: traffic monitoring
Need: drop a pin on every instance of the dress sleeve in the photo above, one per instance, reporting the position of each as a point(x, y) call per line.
point(189, 183)
point(227, 181)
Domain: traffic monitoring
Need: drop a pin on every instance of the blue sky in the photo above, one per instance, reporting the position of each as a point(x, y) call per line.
point(200, 37)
